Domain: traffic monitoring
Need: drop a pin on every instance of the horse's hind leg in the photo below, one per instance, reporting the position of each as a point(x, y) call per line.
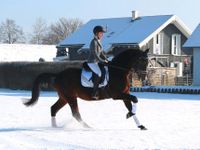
point(55, 108)
point(75, 112)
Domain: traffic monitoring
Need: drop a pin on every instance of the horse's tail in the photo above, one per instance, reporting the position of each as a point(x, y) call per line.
point(36, 87)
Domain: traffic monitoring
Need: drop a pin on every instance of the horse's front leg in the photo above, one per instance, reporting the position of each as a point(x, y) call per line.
point(127, 99)
point(132, 112)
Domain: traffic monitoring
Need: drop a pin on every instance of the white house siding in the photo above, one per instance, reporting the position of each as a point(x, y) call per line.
point(196, 73)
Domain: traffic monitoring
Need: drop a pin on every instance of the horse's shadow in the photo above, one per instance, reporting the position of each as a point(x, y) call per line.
point(18, 129)
point(39, 129)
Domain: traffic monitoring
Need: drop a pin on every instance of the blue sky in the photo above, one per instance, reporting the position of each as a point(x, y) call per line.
point(25, 12)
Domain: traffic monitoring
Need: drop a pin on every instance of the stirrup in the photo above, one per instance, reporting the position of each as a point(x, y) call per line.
point(95, 96)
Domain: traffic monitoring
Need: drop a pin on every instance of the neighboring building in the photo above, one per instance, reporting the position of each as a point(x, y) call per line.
point(194, 43)
point(163, 34)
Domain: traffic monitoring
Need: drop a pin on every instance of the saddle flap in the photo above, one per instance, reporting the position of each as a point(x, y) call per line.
point(87, 76)
point(86, 67)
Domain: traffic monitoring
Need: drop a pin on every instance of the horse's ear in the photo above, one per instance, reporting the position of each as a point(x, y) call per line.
point(145, 54)
point(147, 51)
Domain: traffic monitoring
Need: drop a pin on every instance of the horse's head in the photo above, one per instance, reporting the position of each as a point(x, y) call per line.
point(140, 65)
point(133, 59)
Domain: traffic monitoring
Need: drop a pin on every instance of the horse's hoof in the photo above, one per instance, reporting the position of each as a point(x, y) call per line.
point(142, 127)
point(85, 125)
point(53, 125)
point(53, 122)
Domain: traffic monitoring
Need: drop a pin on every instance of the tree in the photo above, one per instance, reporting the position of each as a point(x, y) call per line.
point(61, 29)
point(10, 32)
point(39, 31)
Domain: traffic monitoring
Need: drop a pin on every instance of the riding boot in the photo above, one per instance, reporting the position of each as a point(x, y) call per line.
point(95, 94)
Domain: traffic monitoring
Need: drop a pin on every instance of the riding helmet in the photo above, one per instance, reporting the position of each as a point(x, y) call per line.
point(98, 29)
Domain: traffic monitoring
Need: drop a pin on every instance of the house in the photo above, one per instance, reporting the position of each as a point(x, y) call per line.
point(164, 35)
point(194, 43)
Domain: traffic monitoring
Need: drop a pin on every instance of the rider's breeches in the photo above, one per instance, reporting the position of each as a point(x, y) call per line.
point(95, 68)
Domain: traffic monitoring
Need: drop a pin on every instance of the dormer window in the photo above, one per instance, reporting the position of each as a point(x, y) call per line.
point(176, 44)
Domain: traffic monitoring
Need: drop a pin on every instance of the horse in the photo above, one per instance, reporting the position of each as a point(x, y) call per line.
point(67, 83)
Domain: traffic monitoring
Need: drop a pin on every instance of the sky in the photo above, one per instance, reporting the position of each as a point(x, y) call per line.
point(25, 12)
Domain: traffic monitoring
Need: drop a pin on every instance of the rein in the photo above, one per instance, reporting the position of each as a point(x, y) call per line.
point(122, 68)
point(116, 67)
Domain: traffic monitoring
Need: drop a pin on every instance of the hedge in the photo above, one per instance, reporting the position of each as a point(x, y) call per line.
point(20, 75)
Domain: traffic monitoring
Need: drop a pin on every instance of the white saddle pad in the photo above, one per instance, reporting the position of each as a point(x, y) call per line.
point(87, 75)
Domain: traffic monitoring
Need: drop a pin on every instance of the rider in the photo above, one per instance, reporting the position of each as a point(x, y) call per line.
point(96, 55)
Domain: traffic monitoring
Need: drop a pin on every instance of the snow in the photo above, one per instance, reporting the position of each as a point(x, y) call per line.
point(173, 122)
point(26, 52)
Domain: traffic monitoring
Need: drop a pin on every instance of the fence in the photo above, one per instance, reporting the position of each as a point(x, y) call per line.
point(168, 89)
point(165, 80)
point(163, 76)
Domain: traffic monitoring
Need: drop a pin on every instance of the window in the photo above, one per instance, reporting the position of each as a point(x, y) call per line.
point(176, 44)
point(158, 44)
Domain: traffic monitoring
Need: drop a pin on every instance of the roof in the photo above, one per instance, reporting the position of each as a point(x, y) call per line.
point(124, 30)
point(194, 39)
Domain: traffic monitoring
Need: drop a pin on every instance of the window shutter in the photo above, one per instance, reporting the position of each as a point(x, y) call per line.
point(176, 44)
point(173, 44)
point(158, 44)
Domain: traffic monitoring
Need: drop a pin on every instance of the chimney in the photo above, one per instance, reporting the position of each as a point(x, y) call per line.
point(135, 14)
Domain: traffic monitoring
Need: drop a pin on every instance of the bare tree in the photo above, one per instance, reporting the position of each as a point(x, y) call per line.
point(10, 32)
point(61, 29)
point(39, 31)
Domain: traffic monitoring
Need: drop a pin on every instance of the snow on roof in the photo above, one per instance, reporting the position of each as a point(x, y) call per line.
point(123, 30)
point(194, 39)
point(84, 35)
point(26, 52)
point(140, 29)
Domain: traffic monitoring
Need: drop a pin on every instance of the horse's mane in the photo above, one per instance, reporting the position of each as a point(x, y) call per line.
point(127, 55)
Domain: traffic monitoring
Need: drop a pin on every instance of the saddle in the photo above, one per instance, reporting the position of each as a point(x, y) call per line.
point(88, 76)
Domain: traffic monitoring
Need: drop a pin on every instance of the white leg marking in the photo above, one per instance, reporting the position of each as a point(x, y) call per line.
point(53, 122)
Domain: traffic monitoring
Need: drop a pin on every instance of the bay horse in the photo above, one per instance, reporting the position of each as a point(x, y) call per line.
point(68, 85)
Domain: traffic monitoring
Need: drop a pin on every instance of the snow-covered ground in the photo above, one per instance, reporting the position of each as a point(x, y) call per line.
point(173, 122)
point(26, 52)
